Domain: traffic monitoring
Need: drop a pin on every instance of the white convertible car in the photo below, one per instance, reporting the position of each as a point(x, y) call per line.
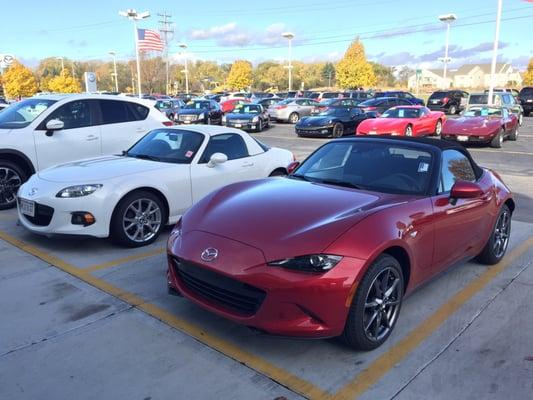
point(130, 197)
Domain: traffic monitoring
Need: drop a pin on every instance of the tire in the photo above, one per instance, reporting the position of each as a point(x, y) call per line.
point(208, 121)
point(452, 110)
point(278, 172)
point(438, 128)
point(338, 130)
point(520, 119)
point(496, 246)
point(408, 130)
point(360, 314)
point(497, 141)
point(11, 177)
point(526, 113)
point(124, 214)
point(260, 126)
point(294, 117)
point(513, 136)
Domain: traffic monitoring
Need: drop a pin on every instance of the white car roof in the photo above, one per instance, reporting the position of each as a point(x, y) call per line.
point(208, 130)
point(85, 96)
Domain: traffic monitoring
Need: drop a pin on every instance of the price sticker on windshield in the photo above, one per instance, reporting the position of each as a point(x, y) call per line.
point(189, 154)
point(423, 167)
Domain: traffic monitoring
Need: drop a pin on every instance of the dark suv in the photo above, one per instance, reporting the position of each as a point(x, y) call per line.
point(401, 95)
point(525, 97)
point(448, 101)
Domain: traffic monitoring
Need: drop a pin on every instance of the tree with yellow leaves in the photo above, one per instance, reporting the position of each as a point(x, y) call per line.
point(64, 83)
point(528, 76)
point(18, 81)
point(240, 75)
point(354, 71)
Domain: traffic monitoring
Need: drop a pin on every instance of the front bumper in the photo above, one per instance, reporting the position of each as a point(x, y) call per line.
point(248, 126)
point(271, 299)
point(527, 106)
point(322, 131)
point(461, 138)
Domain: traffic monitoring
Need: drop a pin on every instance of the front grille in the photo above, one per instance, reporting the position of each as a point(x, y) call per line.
point(240, 121)
point(187, 117)
point(43, 215)
point(229, 293)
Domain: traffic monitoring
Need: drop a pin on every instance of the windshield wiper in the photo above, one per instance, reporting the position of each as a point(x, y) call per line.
point(339, 183)
point(144, 157)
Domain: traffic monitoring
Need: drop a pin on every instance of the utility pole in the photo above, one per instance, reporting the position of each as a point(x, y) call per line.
point(167, 32)
point(490, 99)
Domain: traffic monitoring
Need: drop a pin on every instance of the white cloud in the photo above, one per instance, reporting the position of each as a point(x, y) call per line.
point(213, 32)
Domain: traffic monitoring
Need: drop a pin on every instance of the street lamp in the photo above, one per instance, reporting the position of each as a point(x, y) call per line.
point(134, 16)
point(183, 46)
point(114, 54)
point(447, 19)
point(490, 100)
point(62, 63)
point(289, 36)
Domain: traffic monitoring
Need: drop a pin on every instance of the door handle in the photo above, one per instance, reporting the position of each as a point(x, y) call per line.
point(248, 164)
point(140, 129)
point(91, 138)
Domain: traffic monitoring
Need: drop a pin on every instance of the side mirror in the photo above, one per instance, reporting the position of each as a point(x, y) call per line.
point(292, 166)
point(217, 158)
point(54, 125)
point(465, 190)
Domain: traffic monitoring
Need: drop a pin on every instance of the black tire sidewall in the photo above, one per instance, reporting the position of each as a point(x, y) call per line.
point(21, 174)
point(487, 255)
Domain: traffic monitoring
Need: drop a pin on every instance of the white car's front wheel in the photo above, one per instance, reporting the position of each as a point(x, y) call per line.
point(138, 219)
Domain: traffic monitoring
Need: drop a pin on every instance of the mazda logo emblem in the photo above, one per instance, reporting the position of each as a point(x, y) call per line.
point(209, 254)
point(32, 192)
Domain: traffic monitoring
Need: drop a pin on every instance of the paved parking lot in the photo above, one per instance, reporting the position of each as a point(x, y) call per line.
point(85, 319)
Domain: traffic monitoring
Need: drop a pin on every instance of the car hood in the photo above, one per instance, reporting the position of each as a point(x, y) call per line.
point(283, 217)
point(98, 169)
point(240, 116)
point(382, 124)
point(475, 125)
point(315, 121)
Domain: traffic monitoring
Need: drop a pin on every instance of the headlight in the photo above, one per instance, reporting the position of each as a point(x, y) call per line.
point(310, 263)
point(201, 116)
point(255, 119)
point(78, 190)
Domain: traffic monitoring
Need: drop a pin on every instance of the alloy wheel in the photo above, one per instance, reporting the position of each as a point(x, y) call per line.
point(382, 304)
point(409, 131)
point(10, 182)
point(438, 128)
point(501, 234)
point(142, 220)
point(338, 130)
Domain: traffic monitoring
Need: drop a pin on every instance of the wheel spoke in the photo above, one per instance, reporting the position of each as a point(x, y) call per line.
point(387, 320)
point(377, 325)
point(389, 291)
point(372, 319)
point(371, 304)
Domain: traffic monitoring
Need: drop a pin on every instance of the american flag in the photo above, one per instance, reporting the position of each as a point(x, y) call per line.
point(149, 40)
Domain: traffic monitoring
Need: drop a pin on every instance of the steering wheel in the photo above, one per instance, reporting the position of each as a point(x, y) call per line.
point(407, 179)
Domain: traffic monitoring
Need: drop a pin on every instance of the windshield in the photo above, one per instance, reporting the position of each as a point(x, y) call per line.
point(247, 109)
point(163, 105)
point(20, 115)
point(197, 105)
point(478, 99)
point(438, 95)
point(527, 91)
point(483, 112)
point(369, 165)
point(167, 145)
point(326, 102)
point(401, 112)
point(371, 102)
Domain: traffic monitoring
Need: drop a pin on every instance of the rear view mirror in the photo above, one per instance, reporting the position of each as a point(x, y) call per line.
point(54, 125)
point(292, 166)
point(216, 159)
point(465, 190)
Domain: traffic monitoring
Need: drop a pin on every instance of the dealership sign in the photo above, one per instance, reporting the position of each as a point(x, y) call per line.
point(6, 60)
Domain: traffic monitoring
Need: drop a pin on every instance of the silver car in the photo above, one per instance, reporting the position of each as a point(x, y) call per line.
point(291, 110)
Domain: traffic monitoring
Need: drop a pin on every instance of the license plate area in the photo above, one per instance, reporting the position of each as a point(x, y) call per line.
point(27, 207)
point(462, 138)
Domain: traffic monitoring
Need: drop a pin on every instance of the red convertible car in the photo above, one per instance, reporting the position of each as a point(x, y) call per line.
point(404, 121)
point(229, 105)
point(489, 125)
point(370, 219)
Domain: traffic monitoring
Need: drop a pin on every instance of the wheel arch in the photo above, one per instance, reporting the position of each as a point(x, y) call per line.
point(149, 189)
point(511, 204)
point(18, 158)
point(280, 169)
point(402, 256)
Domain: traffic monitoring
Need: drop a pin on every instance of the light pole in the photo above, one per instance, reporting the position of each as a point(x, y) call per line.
point(134, 16)
point(114, 54)
point(289, 36)
point(490, 100)
point(62, 63)
point(447, 19)
point(186, 70)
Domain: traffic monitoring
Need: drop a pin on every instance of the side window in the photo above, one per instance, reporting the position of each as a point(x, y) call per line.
point(76, 114)
point(355, 111)
point(455, 166)
point(115, 111)
point(408, 96)
point(230, 144)
point(139, 111)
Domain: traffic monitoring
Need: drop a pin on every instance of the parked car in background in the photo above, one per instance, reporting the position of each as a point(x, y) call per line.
point(489, 125)
point(448, 101)
point(334, 247)
point(256, 96)
point(170, 107)
point(39, 132)
point(512, 91)
point(132, 196)
point(3, 106)
point(206, 112)
point(401, 95)
point(236, 95)
point(525, 97)
point(328, 95)
point(247, 117)
point(404, 121)
point(266, 103)
point(503, 99)
point(382, 104)
point(334, 122)
point(331, 103)
point(229, 105)
point(358, 95)
point(291, 110)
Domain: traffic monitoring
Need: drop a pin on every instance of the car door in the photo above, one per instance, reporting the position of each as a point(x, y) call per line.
point(426, 123)
point(80, 137)
point(123, 124)
point(239, 166)
point(459, 223)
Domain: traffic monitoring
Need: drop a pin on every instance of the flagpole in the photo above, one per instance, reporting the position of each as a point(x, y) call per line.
point(138, 60)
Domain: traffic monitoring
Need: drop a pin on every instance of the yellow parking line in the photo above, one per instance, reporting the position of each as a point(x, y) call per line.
point(231, 350)
point(114, 263)
point(384, 363)
point(524, 153)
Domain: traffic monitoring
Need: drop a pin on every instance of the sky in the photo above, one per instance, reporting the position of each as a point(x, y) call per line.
point(394, 32)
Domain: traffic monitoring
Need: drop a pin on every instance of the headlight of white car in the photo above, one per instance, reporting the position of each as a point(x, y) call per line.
point(201, 116)
point(78, 190)
point(255, 119)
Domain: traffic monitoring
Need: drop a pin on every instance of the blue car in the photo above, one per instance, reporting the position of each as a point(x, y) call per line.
point(401, 95)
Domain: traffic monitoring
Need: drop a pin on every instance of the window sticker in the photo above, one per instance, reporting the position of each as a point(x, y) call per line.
point(401, 112)
point(423, 167)
point(189, 154)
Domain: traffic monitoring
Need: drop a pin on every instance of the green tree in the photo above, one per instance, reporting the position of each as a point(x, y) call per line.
point(240, 75)
point(528, 76)
point(328, 73)
point(18, 81)
point(354, 70)
point(64, 83)
point(384, 74)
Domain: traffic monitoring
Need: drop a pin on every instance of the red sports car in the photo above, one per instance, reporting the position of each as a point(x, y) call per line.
point(369, 220)
point(404, 121)
point(482, 124)
point(229, 105)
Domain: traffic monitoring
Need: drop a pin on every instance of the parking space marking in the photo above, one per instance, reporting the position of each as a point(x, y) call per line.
point(384, 363)
point(124, 260)
point(229, 349)
point(529, 136)
point(524, 153)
